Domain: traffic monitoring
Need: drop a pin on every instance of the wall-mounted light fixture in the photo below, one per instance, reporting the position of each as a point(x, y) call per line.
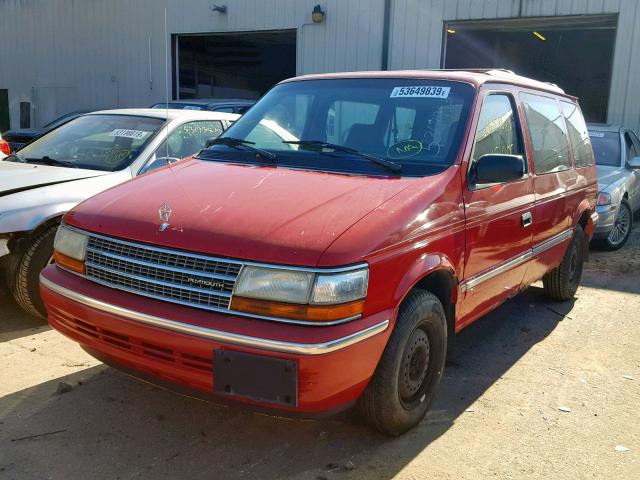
point(317, 15)
point(451, 31)
point(222, 9)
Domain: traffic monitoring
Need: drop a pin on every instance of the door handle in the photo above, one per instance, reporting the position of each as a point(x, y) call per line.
point(527, 219)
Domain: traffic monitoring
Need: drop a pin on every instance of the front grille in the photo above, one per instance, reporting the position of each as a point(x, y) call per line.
point(170, 275)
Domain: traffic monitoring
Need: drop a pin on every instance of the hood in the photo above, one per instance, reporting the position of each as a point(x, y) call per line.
point(18, 177)
point(264, 214)
point(609, 175)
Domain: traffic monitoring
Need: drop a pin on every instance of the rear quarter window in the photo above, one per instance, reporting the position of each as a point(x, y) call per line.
point(547, 132)
point(578, 135)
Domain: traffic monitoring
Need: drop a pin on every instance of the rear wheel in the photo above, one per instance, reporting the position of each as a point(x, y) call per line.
point(562, 282)
point(406, 379)
point(26, 283)
point(621, 230)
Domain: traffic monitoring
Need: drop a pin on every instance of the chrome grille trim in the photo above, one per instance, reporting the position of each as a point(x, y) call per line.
point(100, 265)
point(173, 269)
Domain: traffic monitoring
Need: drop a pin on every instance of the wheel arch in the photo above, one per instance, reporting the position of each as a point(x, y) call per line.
point(436, 274)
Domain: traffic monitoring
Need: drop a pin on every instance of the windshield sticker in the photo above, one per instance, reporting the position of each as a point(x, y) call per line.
point(124, 133)
point(596, 134)
point(404, 149)
point(191, 107)
point(420, 91)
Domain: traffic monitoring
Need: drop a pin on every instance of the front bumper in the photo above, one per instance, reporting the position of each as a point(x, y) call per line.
point(176, 344)
point(606, 220)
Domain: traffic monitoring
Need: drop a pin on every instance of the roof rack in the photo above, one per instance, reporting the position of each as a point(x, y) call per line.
point(488, 71)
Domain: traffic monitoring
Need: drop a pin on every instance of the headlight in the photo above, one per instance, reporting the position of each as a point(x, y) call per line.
point(70, 249)
point(271, 284)
point(301, 295)
point(603, 199)
point(340, 288)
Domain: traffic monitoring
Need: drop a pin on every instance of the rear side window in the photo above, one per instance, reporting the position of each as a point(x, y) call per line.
point(578, 135)
point(548, 137)
point(632, 151)
point(497, 128)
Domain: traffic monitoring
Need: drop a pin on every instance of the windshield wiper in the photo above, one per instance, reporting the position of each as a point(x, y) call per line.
point(393, 166)
point(51, 161)
point(238, 142)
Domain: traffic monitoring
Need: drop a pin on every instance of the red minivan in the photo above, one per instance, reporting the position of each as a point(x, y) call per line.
point(327, 248)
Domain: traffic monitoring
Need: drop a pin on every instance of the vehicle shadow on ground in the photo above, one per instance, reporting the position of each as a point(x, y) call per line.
point(111, 426)
point(14, 323)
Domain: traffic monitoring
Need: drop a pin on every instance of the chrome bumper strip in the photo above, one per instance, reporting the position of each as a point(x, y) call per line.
point(218, 335)
point(513, 262)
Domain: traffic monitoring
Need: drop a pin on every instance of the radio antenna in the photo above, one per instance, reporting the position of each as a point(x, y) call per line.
point(166, 81)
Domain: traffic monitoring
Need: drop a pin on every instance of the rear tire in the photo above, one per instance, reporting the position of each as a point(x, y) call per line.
point(406, 379)
point(26, 284)
point(621, 230)
point(562, 282)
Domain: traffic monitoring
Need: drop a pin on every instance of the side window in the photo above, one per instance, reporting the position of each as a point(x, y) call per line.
point(223, 109)
point(546, 129)
point(189, 138)
point(578, 135)
point(497, 130)
point(636, 142)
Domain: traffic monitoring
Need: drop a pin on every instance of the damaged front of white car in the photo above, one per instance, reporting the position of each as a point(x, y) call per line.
point(42, 181)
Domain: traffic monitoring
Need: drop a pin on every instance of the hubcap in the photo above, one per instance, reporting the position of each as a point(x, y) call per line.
point(414, 367)
point(621, 226)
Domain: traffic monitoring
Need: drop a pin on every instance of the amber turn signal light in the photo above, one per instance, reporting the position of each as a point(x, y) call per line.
point(68, 262)
point(311, 313)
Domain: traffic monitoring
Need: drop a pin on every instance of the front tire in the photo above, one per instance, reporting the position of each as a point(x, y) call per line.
point(406, 379)
point(562, 282)
point(26, 284)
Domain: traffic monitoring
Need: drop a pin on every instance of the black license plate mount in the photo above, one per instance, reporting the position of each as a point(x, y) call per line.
point(257, 377)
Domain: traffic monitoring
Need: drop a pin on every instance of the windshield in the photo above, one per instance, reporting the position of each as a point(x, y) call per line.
point(95, 142)
point(606, 147)
point(417, 124)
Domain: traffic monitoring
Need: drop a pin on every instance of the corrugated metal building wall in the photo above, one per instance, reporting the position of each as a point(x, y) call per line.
point(72, 54)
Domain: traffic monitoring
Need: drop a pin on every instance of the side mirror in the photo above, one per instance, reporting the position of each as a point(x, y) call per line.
point(157, 163)
point(499, 168)
point(634, 163)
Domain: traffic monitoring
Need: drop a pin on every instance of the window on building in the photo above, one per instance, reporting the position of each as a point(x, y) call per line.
point(497, 130)
point(578, 135)
point(548, 137)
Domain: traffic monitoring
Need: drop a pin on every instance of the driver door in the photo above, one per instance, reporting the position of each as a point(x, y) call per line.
point(498, 216)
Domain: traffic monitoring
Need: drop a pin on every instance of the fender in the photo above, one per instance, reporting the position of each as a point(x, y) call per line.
point(424, 265)
point(590, 225)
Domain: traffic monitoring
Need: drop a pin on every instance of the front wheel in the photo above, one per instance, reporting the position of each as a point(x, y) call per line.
point(406, 379)
point(621, 230)
point(26, 283)
point(562, 282)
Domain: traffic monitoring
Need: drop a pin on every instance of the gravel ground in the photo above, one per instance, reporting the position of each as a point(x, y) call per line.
point(538, 390)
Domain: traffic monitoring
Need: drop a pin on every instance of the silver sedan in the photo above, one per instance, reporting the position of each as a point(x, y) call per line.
point(48, 177)
point(617, 152)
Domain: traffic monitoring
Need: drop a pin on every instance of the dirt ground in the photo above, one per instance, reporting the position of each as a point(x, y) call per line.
point(538, 390)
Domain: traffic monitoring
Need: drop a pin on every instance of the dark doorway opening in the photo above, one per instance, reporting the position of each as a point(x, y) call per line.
point(575, 53)
point(232, 65)
point(4, 110)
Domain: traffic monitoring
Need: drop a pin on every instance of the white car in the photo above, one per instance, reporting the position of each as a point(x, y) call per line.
point(51, 175)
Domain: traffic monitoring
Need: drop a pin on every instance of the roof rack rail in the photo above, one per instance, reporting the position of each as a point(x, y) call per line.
point(488, 71)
